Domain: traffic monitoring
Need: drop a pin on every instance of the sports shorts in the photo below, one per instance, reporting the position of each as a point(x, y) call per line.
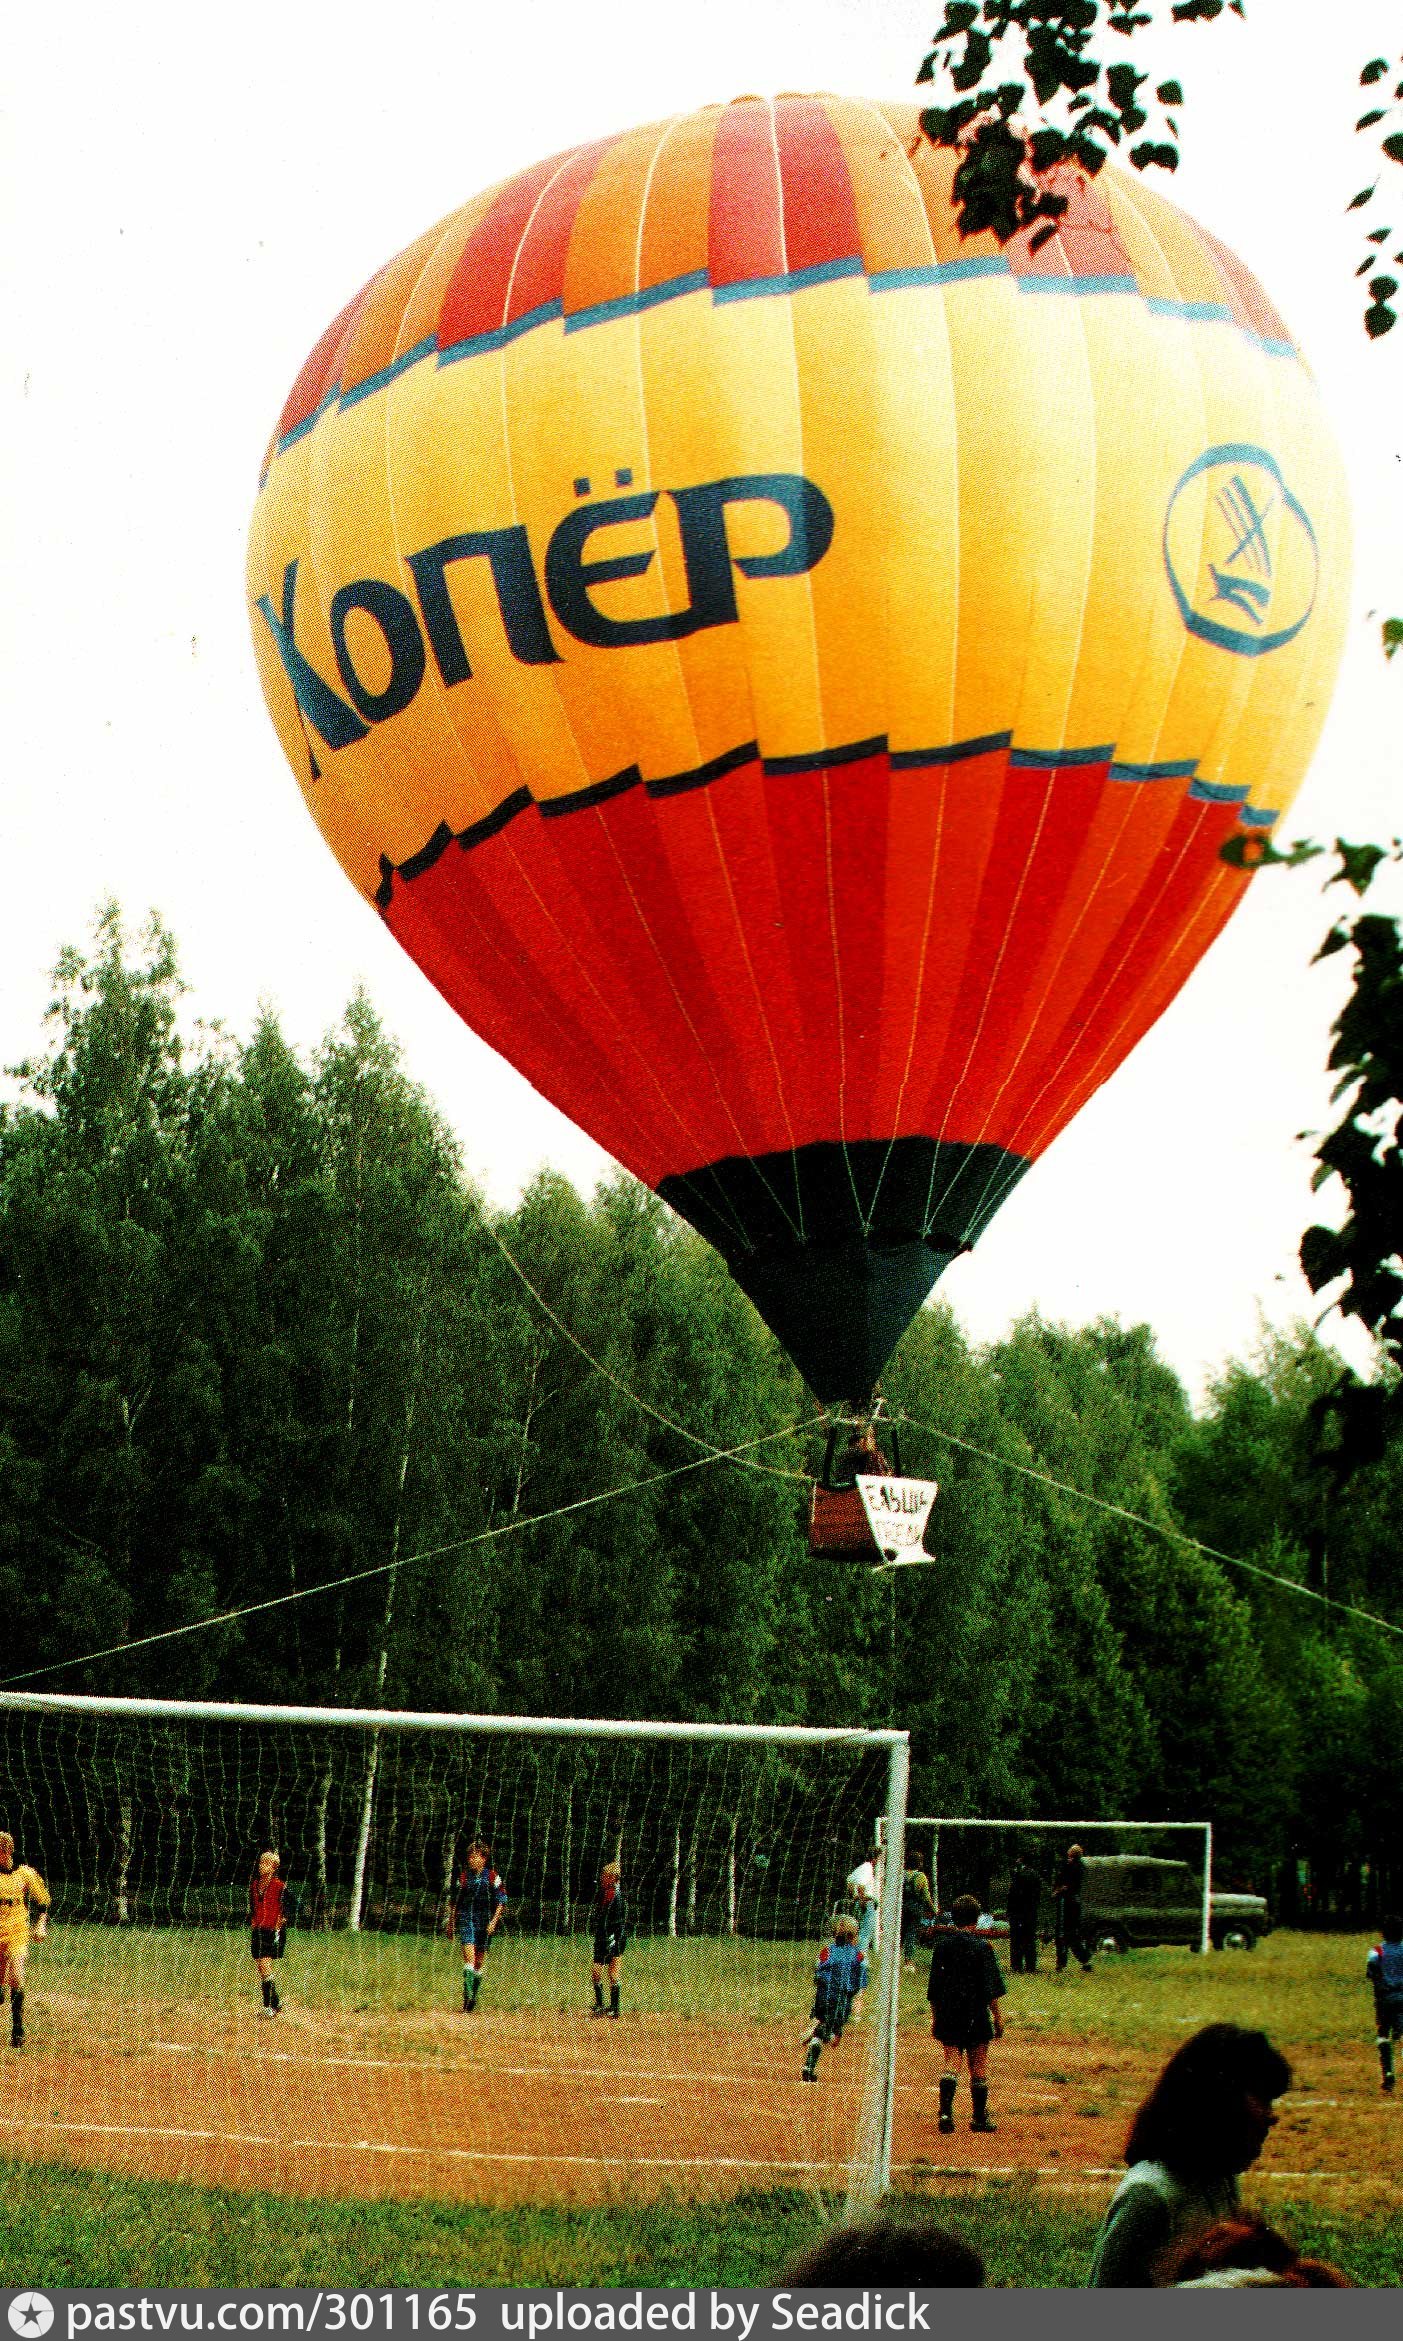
point(830, 2016)
point(607, 1948)
point(266, 1942)
point(964, 2032)
point(474, 1931)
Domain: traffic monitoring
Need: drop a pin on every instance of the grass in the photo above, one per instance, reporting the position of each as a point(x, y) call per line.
point(1297, 1987)
point(71, 2228)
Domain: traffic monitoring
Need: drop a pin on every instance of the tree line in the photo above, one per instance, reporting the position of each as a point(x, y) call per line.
point(260, 1337)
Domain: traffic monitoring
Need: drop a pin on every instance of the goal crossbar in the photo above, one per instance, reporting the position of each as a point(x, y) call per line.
point(1203, 1830)
point(782, 1735)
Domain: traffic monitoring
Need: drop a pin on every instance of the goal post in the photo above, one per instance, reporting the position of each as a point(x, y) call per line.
point(146, 1817)
point(1191, 1841)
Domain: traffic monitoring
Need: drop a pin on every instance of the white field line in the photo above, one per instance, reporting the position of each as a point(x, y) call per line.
point(432, 2068)
point(1066, 2180)
point(423, 2153)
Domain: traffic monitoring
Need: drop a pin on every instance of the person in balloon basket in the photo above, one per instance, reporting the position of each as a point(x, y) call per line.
point(269, 1909)
point(965, 1991)
point(21, 1890)
point(840, 1978)
point(609, 1922)
point(476, 1916)
point(1069, 1928)
point(1384, 1969)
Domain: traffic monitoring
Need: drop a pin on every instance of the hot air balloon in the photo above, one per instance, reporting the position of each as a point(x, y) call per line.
point(787, 674)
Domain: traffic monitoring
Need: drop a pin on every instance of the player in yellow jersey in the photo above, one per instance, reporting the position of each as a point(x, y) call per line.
point(21, 1890)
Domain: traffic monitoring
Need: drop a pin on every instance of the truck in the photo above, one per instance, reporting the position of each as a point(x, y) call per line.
point(1130, 1902)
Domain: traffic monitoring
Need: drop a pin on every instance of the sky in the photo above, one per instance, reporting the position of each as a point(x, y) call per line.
point(190, 196)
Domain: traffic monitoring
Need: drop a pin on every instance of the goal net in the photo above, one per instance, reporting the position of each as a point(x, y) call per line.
point(1145, 1884)
point(403, 2060)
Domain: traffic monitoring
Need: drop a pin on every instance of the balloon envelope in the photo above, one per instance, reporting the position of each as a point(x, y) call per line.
point(787, 673)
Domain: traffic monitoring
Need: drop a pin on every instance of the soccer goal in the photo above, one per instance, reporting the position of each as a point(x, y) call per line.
point(1144, 1881)
point(404, 2060)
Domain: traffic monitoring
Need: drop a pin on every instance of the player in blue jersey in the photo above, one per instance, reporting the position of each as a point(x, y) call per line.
point(476, 1916)
point(840, 1975)
point(1384, 1968)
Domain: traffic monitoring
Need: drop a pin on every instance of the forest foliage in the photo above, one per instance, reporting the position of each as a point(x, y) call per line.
point(260, 1337)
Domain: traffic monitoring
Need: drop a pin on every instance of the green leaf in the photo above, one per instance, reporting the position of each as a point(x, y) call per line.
point(1358, 864)
point(1169, 93)
point(1392, 635)
point(1045, 148)
point(1367, 121)
point(1365, 195)
point(1393, 147)
point(1374, 71)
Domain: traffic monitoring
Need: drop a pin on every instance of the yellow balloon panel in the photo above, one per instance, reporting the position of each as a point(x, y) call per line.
point(787, 671)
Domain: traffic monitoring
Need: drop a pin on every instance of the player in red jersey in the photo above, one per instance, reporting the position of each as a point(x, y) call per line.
point(268, 1917)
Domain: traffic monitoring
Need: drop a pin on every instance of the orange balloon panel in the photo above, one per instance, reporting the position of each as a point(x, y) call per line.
point(787, 674)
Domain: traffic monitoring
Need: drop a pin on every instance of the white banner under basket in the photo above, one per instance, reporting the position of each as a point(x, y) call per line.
point(897, 1511)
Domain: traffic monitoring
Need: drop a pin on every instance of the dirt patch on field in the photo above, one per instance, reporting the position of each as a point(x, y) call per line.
point(503, 2107)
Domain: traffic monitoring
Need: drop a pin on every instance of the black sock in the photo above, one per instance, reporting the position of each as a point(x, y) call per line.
point(467, 1987)
point(16, 2012)
point(614, 1991)
point(267, 1991)
point(979, 2098)
point(811, 2060)
point(599, 1995)
point(1386, 2055)
point(947, 2093)
point(273, 2001)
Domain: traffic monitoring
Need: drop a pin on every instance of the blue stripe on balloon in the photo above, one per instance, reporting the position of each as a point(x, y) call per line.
point(653, 296)
point(754, 288)
point(677, 288)
point(938, 272)
point(816, 761)
point(377, 381)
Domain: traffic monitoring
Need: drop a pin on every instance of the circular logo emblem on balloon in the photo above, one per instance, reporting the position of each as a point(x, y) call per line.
point(1240, 552)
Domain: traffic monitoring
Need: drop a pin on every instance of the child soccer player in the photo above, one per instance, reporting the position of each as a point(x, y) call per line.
point(21, 1890)
point(476, 1916)
point(1384, 1968)
point(965, 1989)
point(610, 1922)
point(840, 1975)
point(268, 1916)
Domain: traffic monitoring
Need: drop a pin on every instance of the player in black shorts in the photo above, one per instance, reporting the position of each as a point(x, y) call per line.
point(610, 1924)
point(965, 1990)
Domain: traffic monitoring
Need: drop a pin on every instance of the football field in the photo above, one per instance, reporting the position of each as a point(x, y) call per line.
point(149, 2058)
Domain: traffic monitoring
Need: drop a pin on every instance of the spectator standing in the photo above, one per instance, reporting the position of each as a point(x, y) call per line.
point(1069, 1928)
point(1025, 1893)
